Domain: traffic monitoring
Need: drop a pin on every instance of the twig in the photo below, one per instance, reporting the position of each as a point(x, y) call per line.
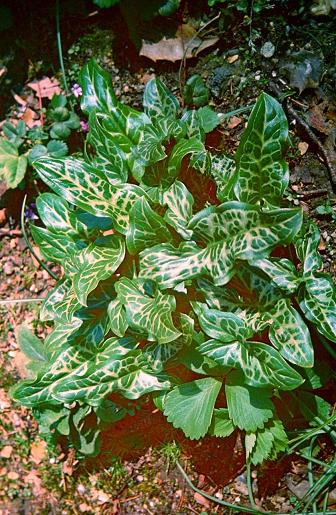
point(183, 60)
point(21, 301)
point(312, 194)
point(10, 232)
point(324, 154)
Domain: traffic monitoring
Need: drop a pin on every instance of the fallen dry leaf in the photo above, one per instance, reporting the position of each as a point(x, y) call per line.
point(234, 122)
point(201, 500)
point(31, 118)
point(38, 451)
point(45, 88)
point(100, 496)
point(3, 471)
point(303, 147)
point(19, 99)
point(232, 58)
point(4, 400)
point(34, 479)
point(185, 44)
point(20, 361)
point(6, 452)
point(84, 507)
point(13, 476)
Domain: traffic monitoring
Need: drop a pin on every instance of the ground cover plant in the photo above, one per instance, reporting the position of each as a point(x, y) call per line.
point(213, 308)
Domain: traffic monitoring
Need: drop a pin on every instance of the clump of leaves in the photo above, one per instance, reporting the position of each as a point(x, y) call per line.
point(158, 283)
point(20, 145)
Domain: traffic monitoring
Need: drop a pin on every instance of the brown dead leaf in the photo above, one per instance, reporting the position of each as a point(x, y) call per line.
point(31, 118)
point(34, 479)
point(232, 58)
point(70, 463)
point(45, 88)
point(6, 451)
point(20, 361)
point(38, 451)
point(13, 476)
point(84, 507)
point(4, 400)
point(234, 122)
point(201, 500)
point(303, 147)
point(100, 496)
point(3, 471)
point(185, 44)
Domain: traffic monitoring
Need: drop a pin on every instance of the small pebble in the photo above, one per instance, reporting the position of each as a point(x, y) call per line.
point(139, 478)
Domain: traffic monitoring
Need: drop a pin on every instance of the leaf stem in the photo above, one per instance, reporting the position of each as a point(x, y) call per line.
point(20, 301)
point(239, 110)
point(239, 507)
point(59, 47)
point(29, 245)
point(249, 484)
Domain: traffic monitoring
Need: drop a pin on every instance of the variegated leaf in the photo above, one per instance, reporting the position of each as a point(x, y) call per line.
point(261, 171)
point(222, 326)
point(97, 89)
point(56, 214)
point(55, 245)
point(95, 263)
point(307, 250)
point(261, 364)
point(60, 304)
point(223, 170)
point(152, 315)
point(318, 302)
point(146, 227)
point(118, 319)
point(158, 101)
point(281, 271)
point(234, 230)
point(182, 148)
point(179, 202)
point(88, 189)
point(290, 335)
point(110, 372)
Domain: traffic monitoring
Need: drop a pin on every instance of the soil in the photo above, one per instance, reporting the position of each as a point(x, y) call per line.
point(136, 472)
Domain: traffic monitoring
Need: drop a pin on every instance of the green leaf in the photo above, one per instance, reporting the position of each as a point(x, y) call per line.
point(307, 250)
point(221, 424)
point(261, 171)
point(179, 202)
point(58, 101)
point(55, 245)
point(169, 7)
point(222, 326)
point(190, 406)
point(152, 315)
point(249, 408)
point(96, 263)
point(290, 335)
point(281, 271)
point(57, 148)
point(109, 372)
point(36, 152)
point(60, 304)
point(195, 91)
point(269, 442)
point(146, 228)
point(30, 345)
point(12, 166)
point(97, 89)
point(261, 364)
point(208, 119)
point(158, 101)
point(88, 189)
point(118, 319)
point(314, 408)
point(56, 214)
point(318, 302)
point(233, 231)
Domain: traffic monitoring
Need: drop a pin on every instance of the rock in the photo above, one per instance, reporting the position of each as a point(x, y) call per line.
point(300, 489)
point(218, 80)
point(304, 69)
point(8, 268)
point(268, 49)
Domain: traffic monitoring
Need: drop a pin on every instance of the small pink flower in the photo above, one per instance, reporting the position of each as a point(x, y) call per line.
point(84, 125)
point(77, 90)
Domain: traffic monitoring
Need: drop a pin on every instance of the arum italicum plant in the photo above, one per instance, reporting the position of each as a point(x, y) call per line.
point(158, 287)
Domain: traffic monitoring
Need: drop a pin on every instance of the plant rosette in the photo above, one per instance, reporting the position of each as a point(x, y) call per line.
point(153, 284)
